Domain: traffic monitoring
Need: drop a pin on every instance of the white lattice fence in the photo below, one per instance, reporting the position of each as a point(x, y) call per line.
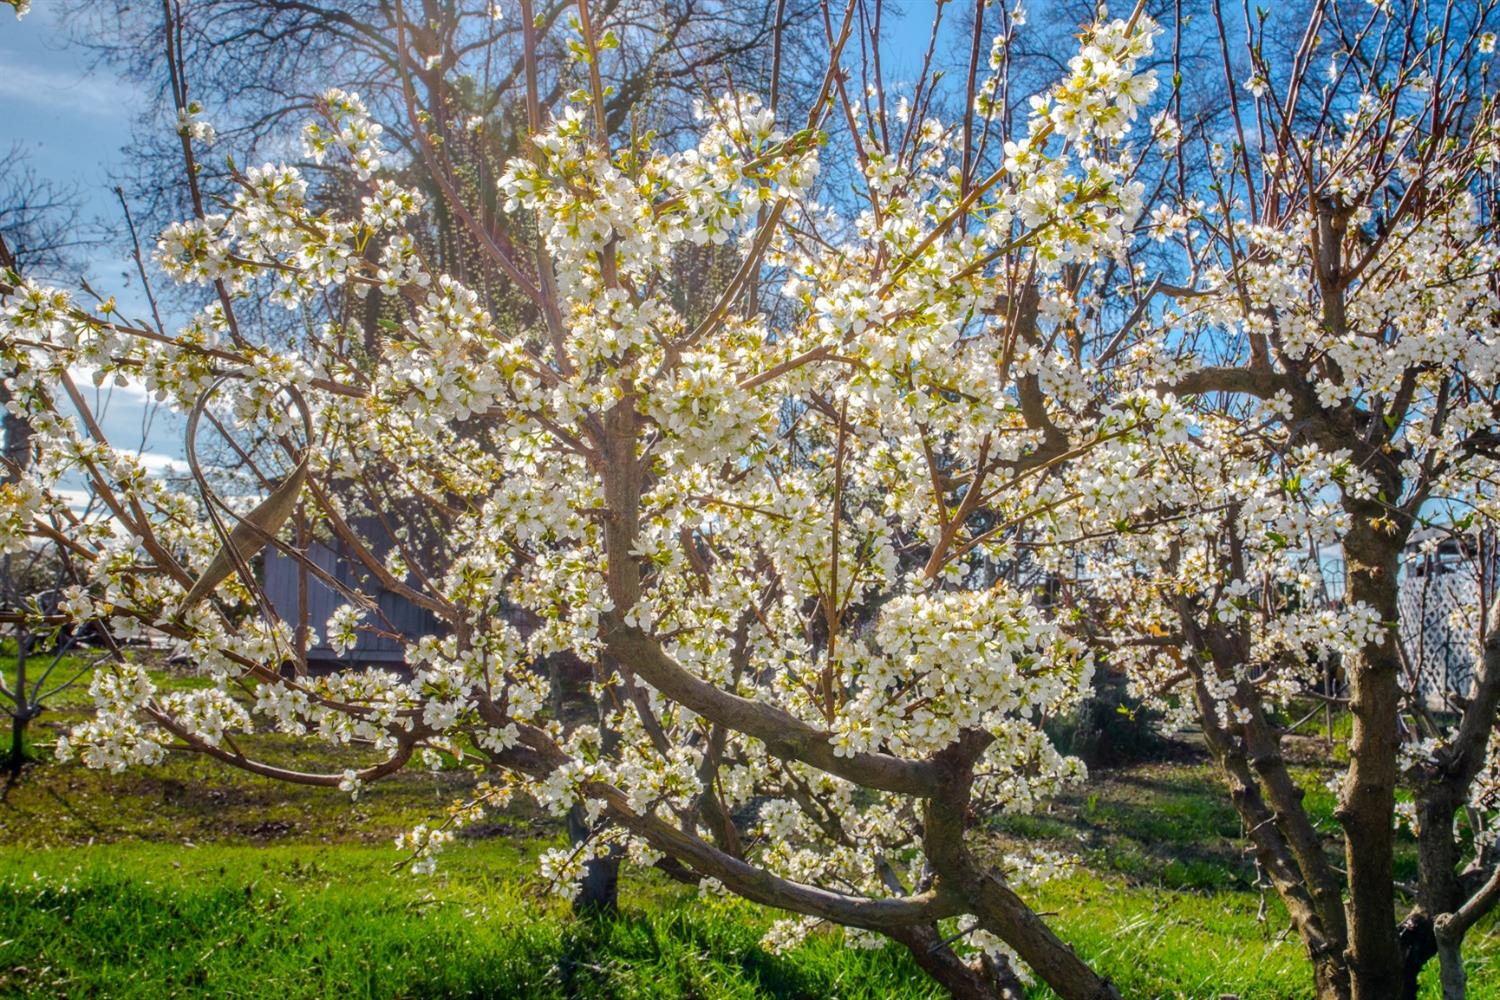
point(1439, 619)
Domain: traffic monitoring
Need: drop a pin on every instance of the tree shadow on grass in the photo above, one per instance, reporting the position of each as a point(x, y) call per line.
point(700, 951)
point(1167, 825)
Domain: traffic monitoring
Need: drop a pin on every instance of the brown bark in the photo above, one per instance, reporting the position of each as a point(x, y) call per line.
point(17, 756)
point(1450, 929)
point(1418, 944)
point(1276, 857)
point(1260, 747)
point(962, 980)
point(999, 909)
point(1269, 804)
point(1442, 791)
point(599, 891)
point(1368, 800)
point(943, 781)
point(785, 735)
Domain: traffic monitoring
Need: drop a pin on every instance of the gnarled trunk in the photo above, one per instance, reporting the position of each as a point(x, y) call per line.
point(963, 981)
point(999, 909)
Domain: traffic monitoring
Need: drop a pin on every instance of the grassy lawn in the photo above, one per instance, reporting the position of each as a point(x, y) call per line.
point(316, 921)
point(191, 880)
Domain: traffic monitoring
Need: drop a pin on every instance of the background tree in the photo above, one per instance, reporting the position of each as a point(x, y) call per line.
point(41, 234)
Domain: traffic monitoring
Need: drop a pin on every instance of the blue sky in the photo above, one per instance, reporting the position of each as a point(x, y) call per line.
point(74, 121)
point(73, 124)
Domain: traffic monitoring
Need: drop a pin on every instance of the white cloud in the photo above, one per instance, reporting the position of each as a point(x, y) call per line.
point(54, 90)
point(158, 464)
point(132, 419)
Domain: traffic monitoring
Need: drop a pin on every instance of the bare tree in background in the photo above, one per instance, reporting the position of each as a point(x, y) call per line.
point(39, 219)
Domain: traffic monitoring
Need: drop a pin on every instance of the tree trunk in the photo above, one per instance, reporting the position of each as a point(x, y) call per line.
point(1301, 879)
point(15, 444)
point(1005, 915)
point(1368, 800)
point(21, 711)
point(962, 980)
point(1442, 792)
point(1330, 978)
point(1418, 944)
point(1451, 975)
point(17, 434)
point(1438, 888)
point(17, 743)
point(999, 910)
point(599, 892)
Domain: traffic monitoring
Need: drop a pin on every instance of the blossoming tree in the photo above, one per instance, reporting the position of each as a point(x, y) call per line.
point(714, 508)
point(1332, 347)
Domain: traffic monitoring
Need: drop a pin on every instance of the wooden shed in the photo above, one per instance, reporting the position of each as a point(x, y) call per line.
point(285, 578)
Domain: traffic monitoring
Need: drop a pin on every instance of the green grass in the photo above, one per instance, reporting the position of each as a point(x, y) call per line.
point(194, 880)
point(333, 921)
point(1163, 825)
point(1167, 901)
point(1158, 942)
point(191, 798)
point(237, 922)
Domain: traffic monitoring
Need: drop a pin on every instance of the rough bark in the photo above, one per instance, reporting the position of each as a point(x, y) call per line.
point(962, 980)
point(999, 909)
point(1442, 901)
point(1451, 975)
point(1270, 809)
point(943, 781)
point(1278, 860)
point(1442, 791)
point(1449, 930)
point(599, 892)
point(17, 756)
point(22, 710)
point(785, 735)
point(1368, 799)
point(1438, 888)
point(15, 439)
point(1418, 944)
